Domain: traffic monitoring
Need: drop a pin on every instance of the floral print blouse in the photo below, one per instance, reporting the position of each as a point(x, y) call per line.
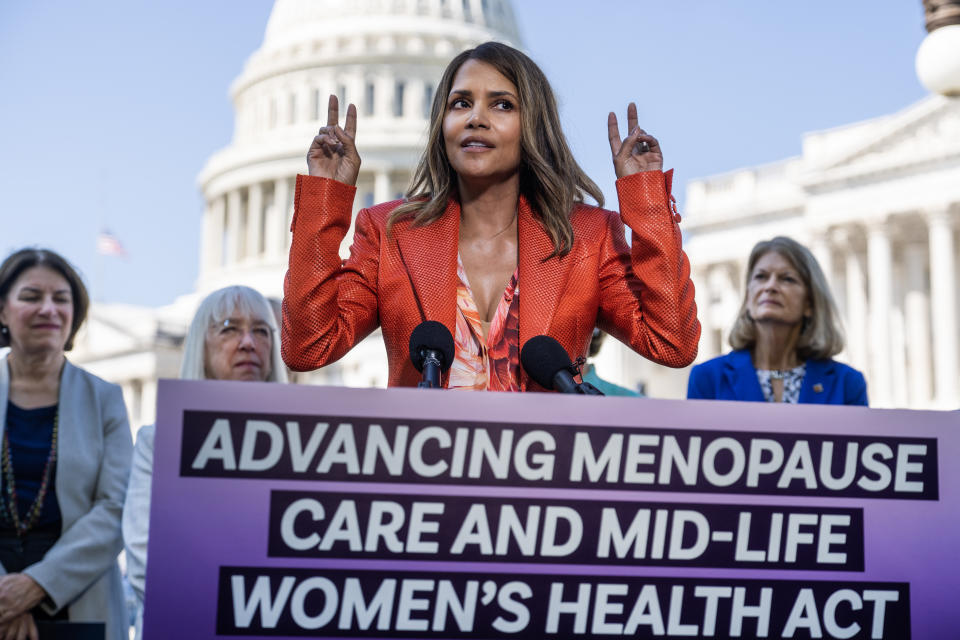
point(490, 365)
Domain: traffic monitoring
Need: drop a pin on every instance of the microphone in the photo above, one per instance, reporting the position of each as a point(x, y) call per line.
point(431, 352)
point(547, 362)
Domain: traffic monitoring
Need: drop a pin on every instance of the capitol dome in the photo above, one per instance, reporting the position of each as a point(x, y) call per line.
point(384, 56)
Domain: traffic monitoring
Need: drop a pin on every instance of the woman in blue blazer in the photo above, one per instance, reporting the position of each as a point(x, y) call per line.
point(784, 337)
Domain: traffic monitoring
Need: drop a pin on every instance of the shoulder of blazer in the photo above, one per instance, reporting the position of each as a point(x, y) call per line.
point(738, 359)
point(381, 212)
point(726, 364)
point(590, 222)
point(845, 373)
point(76, 379)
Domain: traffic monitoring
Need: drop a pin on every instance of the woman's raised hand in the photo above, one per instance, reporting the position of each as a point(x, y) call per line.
point(333, 153)
point(638, 151)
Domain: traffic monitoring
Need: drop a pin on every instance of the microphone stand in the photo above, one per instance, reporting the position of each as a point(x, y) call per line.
point(431, 370)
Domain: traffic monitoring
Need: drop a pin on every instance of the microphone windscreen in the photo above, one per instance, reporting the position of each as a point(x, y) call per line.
point(542, 357)
point(432, 335)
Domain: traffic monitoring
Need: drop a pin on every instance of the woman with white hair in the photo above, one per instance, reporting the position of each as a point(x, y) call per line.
point(233, 336)
point(784, 338)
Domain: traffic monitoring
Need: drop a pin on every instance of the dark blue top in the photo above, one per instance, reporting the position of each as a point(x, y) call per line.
point(30, 432)
point(733, 377)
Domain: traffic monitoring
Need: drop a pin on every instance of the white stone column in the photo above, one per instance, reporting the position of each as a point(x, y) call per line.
point(282, 203)
point(212, 245)
point(273, 241)
point(381, 186)
point(858, 330)
point(880, 264)
point(702, 296)
point(254, 215)
point(723, 313)
point(943, 286)
point(899, 379)
point(148, 402)
point(130, 401)
point(917, 319)
point(823, 252)
point(233, 227)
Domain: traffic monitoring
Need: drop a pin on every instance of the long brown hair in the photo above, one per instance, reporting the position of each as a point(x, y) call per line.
point(822, 335)
point(550, 179)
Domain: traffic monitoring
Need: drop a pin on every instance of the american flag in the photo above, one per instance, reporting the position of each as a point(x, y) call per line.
point(109, 245)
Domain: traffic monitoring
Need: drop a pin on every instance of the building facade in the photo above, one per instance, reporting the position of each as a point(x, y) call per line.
point(878, 202)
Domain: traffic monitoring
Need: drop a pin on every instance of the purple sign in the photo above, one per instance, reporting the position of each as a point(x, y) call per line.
point(288, 512)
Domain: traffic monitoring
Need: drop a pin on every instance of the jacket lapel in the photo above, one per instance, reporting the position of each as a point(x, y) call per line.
point(818, 382)
point(429, 254)
point(541, 284)
point(741, 376)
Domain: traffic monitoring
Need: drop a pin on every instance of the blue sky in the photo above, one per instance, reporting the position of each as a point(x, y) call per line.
point(109, 108)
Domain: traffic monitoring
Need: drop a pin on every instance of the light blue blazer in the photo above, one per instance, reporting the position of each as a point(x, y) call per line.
point(94, 449)
point(733, 377)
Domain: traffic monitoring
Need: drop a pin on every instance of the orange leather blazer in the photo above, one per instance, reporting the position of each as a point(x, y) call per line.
point(640, 294)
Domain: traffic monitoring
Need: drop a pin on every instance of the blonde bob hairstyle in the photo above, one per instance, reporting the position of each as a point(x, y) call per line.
point(217, 307)
point(822, 334)
point(550, 178)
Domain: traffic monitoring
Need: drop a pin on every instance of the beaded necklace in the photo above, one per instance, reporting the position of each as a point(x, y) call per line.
point(8, 506)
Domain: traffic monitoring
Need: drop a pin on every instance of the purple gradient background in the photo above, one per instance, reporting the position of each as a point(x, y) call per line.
point(199, 524)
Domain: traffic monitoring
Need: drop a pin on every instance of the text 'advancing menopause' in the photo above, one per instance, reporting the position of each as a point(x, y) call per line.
point(217, 444)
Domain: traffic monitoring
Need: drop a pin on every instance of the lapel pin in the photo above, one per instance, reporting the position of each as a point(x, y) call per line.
point(817, 388)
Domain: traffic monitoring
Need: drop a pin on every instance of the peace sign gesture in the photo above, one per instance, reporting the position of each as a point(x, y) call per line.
point(333, 153)
point(638, 151)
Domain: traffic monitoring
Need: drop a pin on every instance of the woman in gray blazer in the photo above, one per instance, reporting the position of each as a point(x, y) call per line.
point(66, 451)
point(233, 336)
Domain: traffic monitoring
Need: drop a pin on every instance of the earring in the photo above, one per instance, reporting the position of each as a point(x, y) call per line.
point(4, 331)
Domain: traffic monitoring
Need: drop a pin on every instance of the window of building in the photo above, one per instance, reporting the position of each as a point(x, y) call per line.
point(272, 113)
point(398, 90)
point(368, 199)
point(467, 11)
point(342, 95)
point(427, 99)
point(292, 106)
point(319, 106)
point(369, 94)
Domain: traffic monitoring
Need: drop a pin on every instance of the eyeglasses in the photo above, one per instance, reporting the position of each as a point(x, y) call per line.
point(235, 328)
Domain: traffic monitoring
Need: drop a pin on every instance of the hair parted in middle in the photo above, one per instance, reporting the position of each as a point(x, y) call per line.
point(822, 335)
point(213, 310)
point(550, 178)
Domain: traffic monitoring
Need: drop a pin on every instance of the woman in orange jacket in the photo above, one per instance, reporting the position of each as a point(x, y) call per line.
point(496, 205)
